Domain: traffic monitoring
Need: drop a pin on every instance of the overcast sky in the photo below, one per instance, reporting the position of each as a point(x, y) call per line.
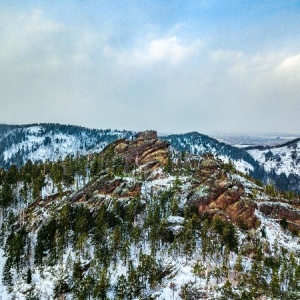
point(174, 66)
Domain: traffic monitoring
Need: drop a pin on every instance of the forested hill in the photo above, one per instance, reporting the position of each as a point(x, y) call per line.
point(138, 221)
point(41, 142)
point(200, 144)
point(281, 163)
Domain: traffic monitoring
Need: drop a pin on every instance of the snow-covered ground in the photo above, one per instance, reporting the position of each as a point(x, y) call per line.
point(38, 144)
point(285, 159)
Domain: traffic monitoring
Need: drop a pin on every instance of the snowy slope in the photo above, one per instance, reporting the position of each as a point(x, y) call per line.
point(45, 278)
point(41, 142)
point(280, 159)
point(195, 258)
point(199, 144)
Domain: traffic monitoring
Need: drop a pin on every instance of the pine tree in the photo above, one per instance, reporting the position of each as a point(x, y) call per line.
point(238, 267)
point(102, 286)
point(6, 195)
point(275, 284)
point(29, 276)
point(199, 269)
point(121, 288)
point(7, 276)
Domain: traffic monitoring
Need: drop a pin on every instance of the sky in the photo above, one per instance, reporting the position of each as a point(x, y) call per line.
point(173, 66)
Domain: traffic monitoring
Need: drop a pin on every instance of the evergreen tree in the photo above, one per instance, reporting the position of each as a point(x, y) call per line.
point(6, 195)
point(275, 284)
point(102, 286)
point(121, 288)
point(29, 276)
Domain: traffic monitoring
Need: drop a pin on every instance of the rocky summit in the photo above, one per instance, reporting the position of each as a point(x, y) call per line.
point(144, 149)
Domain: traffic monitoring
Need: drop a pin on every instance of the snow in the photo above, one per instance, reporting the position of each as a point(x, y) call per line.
point(44, 278)
point(275, 235)
point(282, 160)
point(239, 164)
point(3, 291)
point(54, 144)
point(175, 220)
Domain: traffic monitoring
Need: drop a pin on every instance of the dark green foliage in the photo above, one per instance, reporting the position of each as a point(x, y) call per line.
point(272, 262)
point(12, 175)
point(102, 286)
point(7, 275)
point(28, 276)
point(15, 248)
point(271, 190)
point(169, 164)
point(46, 242)
point(121, 288)
point(284, 224)
point(229, 237)
point(61, 288)
point(6, 195)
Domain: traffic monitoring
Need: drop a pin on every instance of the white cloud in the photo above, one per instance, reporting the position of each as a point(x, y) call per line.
point(51, 72)
point(169, 50)
point(289, 68)
point(37, 23)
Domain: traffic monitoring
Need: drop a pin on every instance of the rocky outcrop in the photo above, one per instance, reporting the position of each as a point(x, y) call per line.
point(218, 194)
point(144, 149)
point(106, 186)
point(146, 135)
point(242, 212)
point(146, 152)
point(279, 211)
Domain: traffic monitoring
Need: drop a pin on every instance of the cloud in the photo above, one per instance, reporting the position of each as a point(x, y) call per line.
point(37, 23)
point(170, 50)
point(57, 72)
point(289, 68)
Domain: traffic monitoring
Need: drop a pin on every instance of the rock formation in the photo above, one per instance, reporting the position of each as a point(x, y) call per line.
point(218, 194)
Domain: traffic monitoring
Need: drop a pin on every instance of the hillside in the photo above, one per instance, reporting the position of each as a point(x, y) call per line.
point(42, 142)
point(282, 163)
point(137, 221)
point(196, 143)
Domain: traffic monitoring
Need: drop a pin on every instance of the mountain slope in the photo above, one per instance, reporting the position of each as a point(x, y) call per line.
point(40, 142)
point(147, 226)
point(283, 158)
point(282, 163)
point(200, 144)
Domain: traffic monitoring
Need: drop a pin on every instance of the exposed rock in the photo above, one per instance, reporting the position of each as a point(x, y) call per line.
point(117, 188)
point(279, 211)
point(145, 149)
point(146, 153)
point(220, 195)
point(146, 135)
point(242, 212)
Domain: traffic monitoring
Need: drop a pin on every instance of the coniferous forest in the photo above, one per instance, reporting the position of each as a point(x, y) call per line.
point(142, 221)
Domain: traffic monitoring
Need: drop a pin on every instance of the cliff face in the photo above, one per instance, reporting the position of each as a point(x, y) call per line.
point(145, 148)
point(218, 194)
